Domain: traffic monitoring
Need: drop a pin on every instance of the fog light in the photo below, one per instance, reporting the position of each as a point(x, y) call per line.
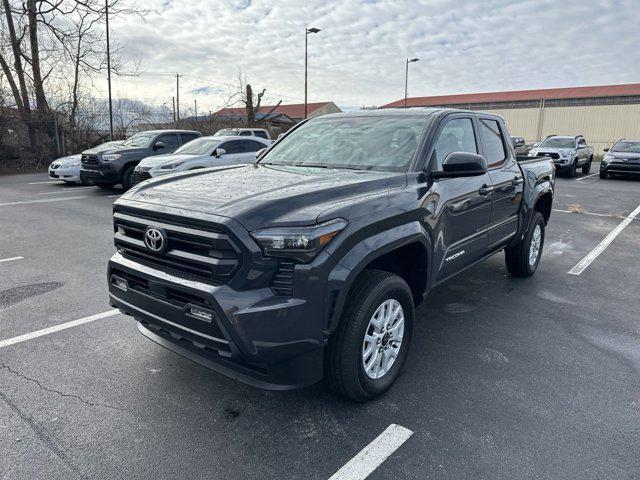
point(200, 314)
point(119, 283)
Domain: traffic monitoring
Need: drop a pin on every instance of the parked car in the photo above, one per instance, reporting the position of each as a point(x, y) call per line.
point(249, 132)
point(310, 262)
point(519, 146)
point(202, 152)
point(568, 153)
point(68, 168)
point(623, 158)
point(116, 166)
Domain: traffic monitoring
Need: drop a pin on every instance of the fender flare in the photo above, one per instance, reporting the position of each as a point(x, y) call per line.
point(348, 268)
point(529, 202)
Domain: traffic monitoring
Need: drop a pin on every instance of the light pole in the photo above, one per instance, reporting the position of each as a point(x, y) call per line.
point(307, 31)
point(106, 14)
point(406, 78)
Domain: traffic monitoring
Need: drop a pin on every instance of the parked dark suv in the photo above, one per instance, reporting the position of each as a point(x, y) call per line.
point(111, 167)
point(622, 159)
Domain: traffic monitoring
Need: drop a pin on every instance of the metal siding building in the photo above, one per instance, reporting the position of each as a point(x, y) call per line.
point(603, 114)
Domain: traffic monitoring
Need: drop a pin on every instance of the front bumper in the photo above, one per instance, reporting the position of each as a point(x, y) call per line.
point(66, 174)
point(105, 174)
point(620, 167)
point(255, 336)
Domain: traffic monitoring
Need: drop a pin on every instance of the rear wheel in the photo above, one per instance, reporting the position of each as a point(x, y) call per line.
point(522, 259)
point(587, 166)
point(366, 353)
point(127, 177)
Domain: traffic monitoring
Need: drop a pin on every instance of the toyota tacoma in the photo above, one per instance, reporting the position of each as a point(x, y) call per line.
point(310, 262)
point(568, 153)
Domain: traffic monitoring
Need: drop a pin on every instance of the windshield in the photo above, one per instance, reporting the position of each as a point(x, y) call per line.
point(559, 142)
point(630, 147)
point(200, 146)
point(138, 140)
point(227, 133)
point(362, 143)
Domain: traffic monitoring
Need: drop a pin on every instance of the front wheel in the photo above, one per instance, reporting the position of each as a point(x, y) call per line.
point(367, 351)
point(572, 169)
point(523, 258)
point(127, 178)
point(586, 168)
point(603, 174)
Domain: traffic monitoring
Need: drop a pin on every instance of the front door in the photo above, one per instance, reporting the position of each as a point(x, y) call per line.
point(507, 179)
point(463, 216)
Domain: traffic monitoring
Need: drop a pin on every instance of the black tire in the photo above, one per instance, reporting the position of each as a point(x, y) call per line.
point(517, 256)
point(603, 175)
point(344, 369)
point(572, 169)
point(127, 178)
point(586, 168)
point(104, 186)
point(83, 180)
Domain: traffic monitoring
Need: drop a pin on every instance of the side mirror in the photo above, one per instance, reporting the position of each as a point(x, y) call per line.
point(159, 146)
point(518, 143)
point(606, 149)
point(260, 152)
point(462, 164)
point(219, 152)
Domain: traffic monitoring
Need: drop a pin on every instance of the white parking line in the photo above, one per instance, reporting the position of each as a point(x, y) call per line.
point(374, 454)
point(50, 181)
point(606, 241)
point(611, 215)
point(10, 259)
point(57, 328)
point(587, 176)
point(44, 200)
point(114, 196)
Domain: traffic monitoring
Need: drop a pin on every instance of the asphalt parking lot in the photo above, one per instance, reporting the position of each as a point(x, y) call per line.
point(506, 378)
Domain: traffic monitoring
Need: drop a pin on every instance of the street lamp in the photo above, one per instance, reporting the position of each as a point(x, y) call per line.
point(406, 78)
point(307, 31)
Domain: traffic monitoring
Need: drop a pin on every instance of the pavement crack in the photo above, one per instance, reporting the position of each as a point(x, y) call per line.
point(58, 392)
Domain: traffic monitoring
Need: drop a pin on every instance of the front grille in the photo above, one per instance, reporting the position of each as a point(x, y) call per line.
point(552, 155)
point(89, 159)
point(203, 252)
point(140, 176)
point(282, 283)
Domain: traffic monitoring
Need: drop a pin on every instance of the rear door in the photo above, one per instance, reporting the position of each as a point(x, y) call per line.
point(239, 151)
point(464, 212)
point(506, 179)
point(582, 151)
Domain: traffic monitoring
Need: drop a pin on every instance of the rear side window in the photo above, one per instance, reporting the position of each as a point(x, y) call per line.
point(251, 146)
point(245, 134)
point(231, 147)
point(187, 137)
point(457, 136)
point(170, 140)
point(261, 134)
point(493, 142)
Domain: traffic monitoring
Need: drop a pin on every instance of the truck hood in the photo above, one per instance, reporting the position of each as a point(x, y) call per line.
point(157, 160)
point(259, 196)
point(116, 149)
point(632, 155)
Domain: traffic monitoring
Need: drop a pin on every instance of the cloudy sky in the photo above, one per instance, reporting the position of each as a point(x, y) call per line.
point(464, 46)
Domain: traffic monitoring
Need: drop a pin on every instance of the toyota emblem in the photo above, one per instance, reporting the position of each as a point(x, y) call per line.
point(155, 239)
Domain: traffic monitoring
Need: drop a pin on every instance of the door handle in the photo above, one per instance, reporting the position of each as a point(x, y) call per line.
point(517, 181)
point(485, 190)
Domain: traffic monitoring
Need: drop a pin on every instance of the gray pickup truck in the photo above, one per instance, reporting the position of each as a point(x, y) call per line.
point(310, 262)
point(568, 153)
point(106, 168)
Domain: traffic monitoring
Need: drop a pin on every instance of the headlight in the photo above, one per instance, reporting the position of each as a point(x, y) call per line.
point(607, 158)
point(109, 157)
point(171, 166)
point(299, 243)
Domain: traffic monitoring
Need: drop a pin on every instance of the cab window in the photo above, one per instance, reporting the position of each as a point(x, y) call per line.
point(493, 142)
point(458, 135)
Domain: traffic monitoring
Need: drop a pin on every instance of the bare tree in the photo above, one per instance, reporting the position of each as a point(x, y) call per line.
point(128, 113)
point(242, 94)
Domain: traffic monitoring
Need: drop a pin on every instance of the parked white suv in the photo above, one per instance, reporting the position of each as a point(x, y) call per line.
point(202, 152)
point(244, 132)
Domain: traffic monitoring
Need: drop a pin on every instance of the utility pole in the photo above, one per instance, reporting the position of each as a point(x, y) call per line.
point(173, 107)
point(106, 11)
point(178, 96)
point(195, 108)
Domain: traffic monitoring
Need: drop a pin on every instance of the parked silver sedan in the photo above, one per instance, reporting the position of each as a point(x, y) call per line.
point(68, 168)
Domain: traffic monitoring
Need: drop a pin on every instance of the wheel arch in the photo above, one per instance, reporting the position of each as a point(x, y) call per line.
point(397, 251)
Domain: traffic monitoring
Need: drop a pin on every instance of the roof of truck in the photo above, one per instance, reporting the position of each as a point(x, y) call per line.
point(402, 112)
